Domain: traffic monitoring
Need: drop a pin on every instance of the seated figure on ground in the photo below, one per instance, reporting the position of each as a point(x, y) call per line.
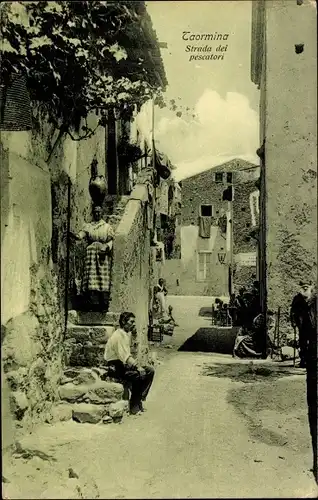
point(126, 368)
point(250, 342)
point(168, 323)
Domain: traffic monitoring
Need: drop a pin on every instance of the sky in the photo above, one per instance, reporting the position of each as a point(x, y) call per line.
point(218, 92)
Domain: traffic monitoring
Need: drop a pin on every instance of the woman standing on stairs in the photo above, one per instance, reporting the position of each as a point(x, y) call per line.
point(97, 266)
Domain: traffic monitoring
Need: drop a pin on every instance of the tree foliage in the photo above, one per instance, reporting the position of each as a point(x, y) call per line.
point(79, 57)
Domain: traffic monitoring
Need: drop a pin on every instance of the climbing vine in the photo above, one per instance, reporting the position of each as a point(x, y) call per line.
point(82, 57)
point(78, 59)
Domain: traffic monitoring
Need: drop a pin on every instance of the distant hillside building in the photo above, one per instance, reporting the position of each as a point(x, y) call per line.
point(217, 255)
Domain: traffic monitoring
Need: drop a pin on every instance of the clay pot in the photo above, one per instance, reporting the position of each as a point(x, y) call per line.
point(97, 189)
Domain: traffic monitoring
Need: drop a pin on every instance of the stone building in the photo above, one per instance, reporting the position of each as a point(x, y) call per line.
point(44, 195)
point(215, 256)
point(34, 211)
point(169, 211)
point(284, 67)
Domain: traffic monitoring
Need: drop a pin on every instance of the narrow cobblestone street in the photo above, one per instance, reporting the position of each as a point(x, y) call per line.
point(198, 438)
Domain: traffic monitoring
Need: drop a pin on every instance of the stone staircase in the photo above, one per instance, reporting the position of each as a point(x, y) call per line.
point(116, 207)
point(88, 393)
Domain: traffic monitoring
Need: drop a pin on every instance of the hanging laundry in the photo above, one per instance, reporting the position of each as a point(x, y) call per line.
point(205, 227)
point(254, 207)
point(160, 253)
point(223, 223)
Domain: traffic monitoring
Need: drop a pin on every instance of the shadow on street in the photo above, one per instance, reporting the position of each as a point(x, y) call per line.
point(211, 339)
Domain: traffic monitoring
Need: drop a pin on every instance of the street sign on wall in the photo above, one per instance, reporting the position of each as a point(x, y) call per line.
point(247, 259)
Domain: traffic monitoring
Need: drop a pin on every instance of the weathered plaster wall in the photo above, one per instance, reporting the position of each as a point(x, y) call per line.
point(77, 157)
point(291, 149)
point(131, 273)
point(197, 191)
point(33, 259)
point(31, 356)
point(82, 153)
point(191, 245)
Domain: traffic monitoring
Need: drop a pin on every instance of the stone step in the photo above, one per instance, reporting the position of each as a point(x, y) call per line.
point(97, 334)
point(99, 392)
point(90, 413)
point(83, 375)
point(92, 318)
point(84, 345)
point(86, 398)
point(90, 395)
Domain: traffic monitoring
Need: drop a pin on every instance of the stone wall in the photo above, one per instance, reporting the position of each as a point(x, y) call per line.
point(32, 353)
point(131, 273)
point(244, 277)
point(290, 149)
point(31, 350)
point(199, 190)
point(31, 356)
point(242, 220)
point(34, 204)
point(242, 226)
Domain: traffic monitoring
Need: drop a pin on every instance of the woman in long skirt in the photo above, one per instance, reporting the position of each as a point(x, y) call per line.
point(97, 266)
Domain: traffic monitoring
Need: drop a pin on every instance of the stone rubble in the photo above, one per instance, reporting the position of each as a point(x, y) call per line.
point(62, 412)
point(88, 413)
point(89, 395)
point(19, 404)
point(117, 410)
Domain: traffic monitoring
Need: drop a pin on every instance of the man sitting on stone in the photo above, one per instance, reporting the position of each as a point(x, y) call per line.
point(126, 368)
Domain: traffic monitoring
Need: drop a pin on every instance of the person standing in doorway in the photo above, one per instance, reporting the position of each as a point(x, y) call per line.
point(126, 368)
point(233, 309)
point(160, 292)
point(99, 236)
point(299, 318)
point(241, 307)
point(311, 371)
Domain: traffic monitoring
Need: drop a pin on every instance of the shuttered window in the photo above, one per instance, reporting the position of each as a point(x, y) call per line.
point(204, 262)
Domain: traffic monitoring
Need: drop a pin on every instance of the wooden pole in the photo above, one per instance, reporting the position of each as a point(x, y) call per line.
point(68, 244)
point(153, 133)
point(230, 207)
point(278, 320)
point(295, 336)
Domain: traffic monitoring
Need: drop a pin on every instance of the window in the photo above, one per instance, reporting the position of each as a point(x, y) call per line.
point(227, 194)
point(206, 211)
point(204, 266)
point(219, 177)
point(163, 221)
point(229, 177)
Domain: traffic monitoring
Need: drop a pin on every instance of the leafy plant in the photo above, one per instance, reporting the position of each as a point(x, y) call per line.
point(130, 153)
point(79, 57)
